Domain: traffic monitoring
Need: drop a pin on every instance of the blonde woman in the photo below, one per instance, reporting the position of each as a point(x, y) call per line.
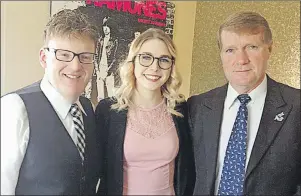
point(144, 128)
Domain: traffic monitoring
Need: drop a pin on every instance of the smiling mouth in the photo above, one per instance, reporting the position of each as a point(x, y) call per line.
point(152, 77)
point(71, 76)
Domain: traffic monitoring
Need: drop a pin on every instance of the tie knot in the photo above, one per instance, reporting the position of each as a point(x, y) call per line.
point(74, 110)
point(244, 98)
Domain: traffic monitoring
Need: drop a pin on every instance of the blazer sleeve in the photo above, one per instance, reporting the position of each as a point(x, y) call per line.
point(188, 150)
point(102, 113)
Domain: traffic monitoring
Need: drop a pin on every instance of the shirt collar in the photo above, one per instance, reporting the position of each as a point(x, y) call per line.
point(59, 103)
point(231, 96)
point(259, 91)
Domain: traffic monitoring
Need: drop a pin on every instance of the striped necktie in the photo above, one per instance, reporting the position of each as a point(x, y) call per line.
point(79, 128)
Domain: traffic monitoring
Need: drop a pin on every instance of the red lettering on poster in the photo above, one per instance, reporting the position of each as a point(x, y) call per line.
point(151, 9)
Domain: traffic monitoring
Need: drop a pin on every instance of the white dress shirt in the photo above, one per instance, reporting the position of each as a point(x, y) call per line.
point(15, 132)
point(231, 105)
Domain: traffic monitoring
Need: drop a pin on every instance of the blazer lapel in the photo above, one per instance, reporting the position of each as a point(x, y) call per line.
point(212, 119)
point(269, 124)
point(179, 179)
point(117, 130)
point(117, 134)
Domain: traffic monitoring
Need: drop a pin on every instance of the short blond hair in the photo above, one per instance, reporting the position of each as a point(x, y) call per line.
point(70, 23)
point(128, 81)
point(246, 22)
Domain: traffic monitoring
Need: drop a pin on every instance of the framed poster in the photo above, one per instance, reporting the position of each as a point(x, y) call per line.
point(120, 22)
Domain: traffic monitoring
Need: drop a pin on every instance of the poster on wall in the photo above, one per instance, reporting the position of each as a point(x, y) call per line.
point(119, 22)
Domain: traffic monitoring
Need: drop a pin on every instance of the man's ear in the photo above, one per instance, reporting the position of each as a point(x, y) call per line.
point(270, 47)
point(43, 57)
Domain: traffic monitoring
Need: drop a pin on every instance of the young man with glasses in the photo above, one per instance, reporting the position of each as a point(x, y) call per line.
point(48, 136)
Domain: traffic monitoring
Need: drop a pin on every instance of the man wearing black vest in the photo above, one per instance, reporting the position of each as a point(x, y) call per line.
point(48, 133)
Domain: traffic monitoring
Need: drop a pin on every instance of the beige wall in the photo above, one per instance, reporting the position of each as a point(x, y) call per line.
point(284, 20)
point(198, 61)
point(183, 38)
point(22, 26)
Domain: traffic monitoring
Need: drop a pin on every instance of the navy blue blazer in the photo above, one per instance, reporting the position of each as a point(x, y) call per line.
point(274, 167)
point(112, 125)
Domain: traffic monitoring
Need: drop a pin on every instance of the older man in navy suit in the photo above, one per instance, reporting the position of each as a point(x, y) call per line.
point(246, 134)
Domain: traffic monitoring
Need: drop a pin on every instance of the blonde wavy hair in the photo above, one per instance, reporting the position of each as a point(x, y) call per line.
point(169, 90)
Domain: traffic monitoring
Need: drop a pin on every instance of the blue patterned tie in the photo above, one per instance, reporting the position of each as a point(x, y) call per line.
point(233, 173)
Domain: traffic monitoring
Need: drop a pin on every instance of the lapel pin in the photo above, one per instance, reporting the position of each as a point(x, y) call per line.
point(279, 117)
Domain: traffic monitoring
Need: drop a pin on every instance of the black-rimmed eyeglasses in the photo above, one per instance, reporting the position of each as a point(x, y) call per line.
point(164, 62)
point(68, 56)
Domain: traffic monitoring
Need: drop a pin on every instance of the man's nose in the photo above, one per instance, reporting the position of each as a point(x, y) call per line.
point(242, 57)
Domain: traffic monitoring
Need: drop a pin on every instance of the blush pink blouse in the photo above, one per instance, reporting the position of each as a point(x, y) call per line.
point(150, 147)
